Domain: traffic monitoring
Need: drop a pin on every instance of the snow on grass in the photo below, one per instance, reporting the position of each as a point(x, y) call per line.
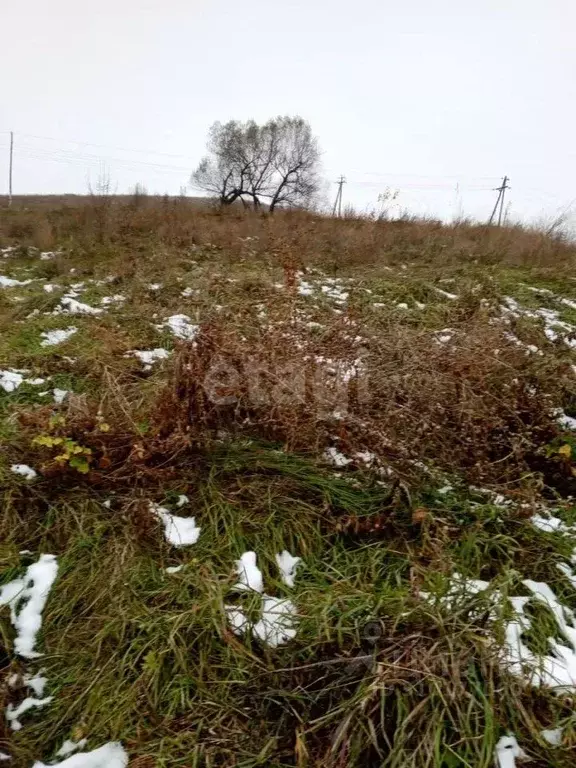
point(446, 294)
point(49, 255)
point(51, 338)
point(110, 755)
point(27, 597)
point(305, 289)
point(69, 306)
point(149, 356)
point(278, 616)
point(568, 572)
point(553, 736)
point(8, 282)
point(36, 682)
point(181, 326)
point(50, 287)
point(333, 456)
point(444, 336)
point(13, 714)
point(557, 668)
point(4, 756)
point(250, 576)
point(182, 499)
point(568, 422)
point(118, 298)
point(179, 531)
point(154, 286)
point(551, 524)
point(287, 564)
point(174, 568)
point(69, 746)
point(11, 379)
point(24, 470)
point(59, 395)
point(277, 623)
point(507, 750)
point(237, 619)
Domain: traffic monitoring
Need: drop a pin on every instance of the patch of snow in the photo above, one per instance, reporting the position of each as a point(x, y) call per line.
point(116, 299)
point(27, 597)
point(179, 531)
point(250, 576)
point(550, 333)
point(237, 619)
point(59, 395)
point(8, 282)
point(367, 457)
point(174, 568)
point(182, 499)
point(4, 756)
point(37, 683)
point(23, 469)
point(551, 524)
point(10, 380)
point(305, 289)
point(50, 287)
point(13, 713)
point(402, 305)
point(444, 293)
point(188, 292)
point(568, 572)
point(154, 286)
point(567, 302)
point(110, 755)
point(149, 356)
point(553, 736)
point(336, 458)
point(70, 746)
point(564, 420)
point(444, 336)
point(49, 255)
point(507, 750)
point(69, 306)
point(287, 564)
point(181, 326)
point(51, 338)
point(277, 623)
point(556, 670)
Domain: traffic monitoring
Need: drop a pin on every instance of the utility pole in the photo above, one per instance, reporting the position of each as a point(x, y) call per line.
point(500, 200)
point(10, 169)
point(338, 202)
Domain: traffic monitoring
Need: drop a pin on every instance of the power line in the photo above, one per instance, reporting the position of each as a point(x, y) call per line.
point(10, 169)
point(338, 202)
point(105, 146)
point(499, 201)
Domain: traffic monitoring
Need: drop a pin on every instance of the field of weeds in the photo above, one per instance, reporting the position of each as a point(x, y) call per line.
point(284, 491)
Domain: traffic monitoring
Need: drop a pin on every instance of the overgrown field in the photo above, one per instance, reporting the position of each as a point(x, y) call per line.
point(371, 425)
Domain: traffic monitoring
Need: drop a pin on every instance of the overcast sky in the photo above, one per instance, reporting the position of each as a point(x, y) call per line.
point(436, 99)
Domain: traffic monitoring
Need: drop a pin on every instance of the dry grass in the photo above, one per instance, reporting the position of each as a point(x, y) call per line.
point(283, 367)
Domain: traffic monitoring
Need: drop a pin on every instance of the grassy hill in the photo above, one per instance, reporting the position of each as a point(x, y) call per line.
point(390, 403)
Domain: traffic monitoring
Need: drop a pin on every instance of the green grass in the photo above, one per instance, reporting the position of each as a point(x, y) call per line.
point(146, 657)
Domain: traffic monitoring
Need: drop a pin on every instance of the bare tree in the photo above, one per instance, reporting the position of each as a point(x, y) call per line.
point(295, 180)
point(277, 162)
